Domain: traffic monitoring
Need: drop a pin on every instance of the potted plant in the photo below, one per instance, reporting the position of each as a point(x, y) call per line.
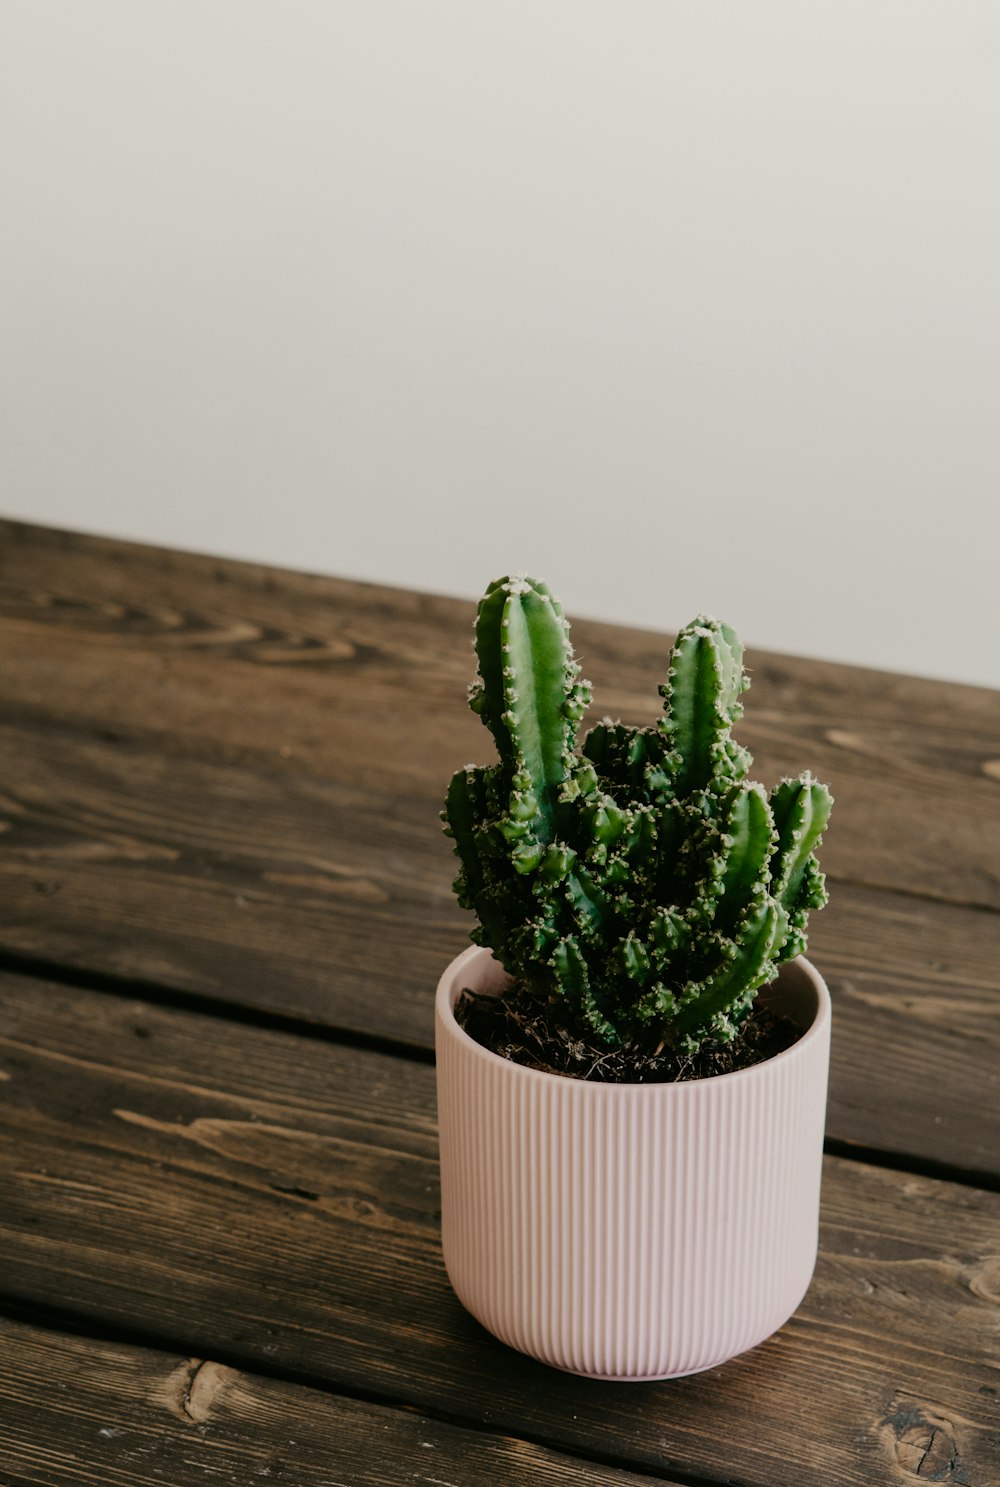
point(641, 910)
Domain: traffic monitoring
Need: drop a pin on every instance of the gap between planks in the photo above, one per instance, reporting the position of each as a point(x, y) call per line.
point(897, 1331)
point(163, 1373)
point(159, 995)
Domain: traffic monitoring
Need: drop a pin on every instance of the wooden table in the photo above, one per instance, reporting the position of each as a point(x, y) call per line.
point(226, 904)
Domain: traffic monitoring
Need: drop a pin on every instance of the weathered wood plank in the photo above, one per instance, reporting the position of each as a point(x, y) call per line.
point(365, 686)
point(75, 1412)
point(283, 892)
point(272, 1198)
point(295, 895)
point(915, 1064)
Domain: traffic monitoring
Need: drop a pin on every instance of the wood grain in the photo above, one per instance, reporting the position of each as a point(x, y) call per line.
point(76, 1412)
point(283, 892)
point(365, 686)
point(311, 898)
point(915, 1064)
point(269, 1198)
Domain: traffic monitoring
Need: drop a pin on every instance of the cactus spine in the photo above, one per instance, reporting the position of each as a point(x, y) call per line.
point(644, 881)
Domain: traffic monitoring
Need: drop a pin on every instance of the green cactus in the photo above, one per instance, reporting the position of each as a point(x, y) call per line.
point(643, 881)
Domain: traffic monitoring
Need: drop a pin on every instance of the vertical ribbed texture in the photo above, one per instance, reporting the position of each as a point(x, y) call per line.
point(631, 1231)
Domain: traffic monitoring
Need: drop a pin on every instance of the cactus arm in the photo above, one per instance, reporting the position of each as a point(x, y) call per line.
point(750, 839)
point(537, 655)
point(573, 980)
point(528, 696)
point(486, 697)
point(476, 886)
point(603, 747)
point(711, 1006)
point(622, 754)
point(692, 691)
point(636, 961)
point(812, 895)
point(702, 694)
point(462, 813)
point(734, 679)
point(670, 932)
point(801, 811)
point(587, 901)
point(604, 823)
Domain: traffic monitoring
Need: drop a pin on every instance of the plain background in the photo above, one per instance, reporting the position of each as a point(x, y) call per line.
point(681, 306)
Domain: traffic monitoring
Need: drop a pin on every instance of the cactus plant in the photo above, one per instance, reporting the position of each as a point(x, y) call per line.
point(642, 883)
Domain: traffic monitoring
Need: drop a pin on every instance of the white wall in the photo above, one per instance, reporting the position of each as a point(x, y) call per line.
point(682, 306)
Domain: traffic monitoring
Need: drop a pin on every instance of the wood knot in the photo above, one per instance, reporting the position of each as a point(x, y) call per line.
point(985, 1280)
point(922, 1443)
point(193, 1389)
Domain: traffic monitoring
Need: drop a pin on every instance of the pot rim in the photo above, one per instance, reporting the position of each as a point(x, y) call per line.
point(449, 988)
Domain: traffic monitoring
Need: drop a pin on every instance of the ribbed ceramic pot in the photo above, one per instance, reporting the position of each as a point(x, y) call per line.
point(631, 1231)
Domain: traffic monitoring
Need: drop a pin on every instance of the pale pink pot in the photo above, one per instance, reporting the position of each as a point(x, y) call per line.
point(631, 1231)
